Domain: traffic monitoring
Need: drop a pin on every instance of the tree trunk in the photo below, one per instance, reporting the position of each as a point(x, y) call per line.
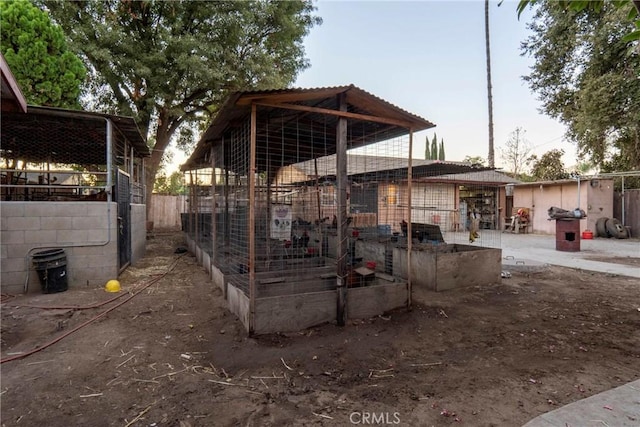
point(163, 137)
point(491, 157)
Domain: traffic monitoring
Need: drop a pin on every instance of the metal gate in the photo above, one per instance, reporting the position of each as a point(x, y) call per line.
point(123, 198)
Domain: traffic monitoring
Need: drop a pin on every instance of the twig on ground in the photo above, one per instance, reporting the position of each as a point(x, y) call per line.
point(126, 360)
point(140, 415)
point(37, 363)
point(90, 395)
point(169, 374)
point(285, 364)
point(226, 383)
point(426, 364)
point(322, 416)
point(139, 380)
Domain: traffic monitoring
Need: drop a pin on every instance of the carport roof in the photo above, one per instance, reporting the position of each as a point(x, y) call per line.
point(71, 136)
point(378, 117)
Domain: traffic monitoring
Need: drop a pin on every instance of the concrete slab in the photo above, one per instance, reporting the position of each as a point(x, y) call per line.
point(618, 407)
point(541, 248)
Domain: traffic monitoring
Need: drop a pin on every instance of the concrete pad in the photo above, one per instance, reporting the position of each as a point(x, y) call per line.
point(618, 407)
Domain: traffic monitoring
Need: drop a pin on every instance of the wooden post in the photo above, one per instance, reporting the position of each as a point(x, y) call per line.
point(409, 204)
point(213, 206)
point(268, 207)
point(252, 220)
point(341, 174)
point(319, 227)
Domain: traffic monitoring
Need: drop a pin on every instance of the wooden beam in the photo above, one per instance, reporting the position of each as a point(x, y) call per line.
point(341, 173)
point(252, 220)
point(342, 113)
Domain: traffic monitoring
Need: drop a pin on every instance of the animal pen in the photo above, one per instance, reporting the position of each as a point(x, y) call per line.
point(307, 207)
point(73, 181)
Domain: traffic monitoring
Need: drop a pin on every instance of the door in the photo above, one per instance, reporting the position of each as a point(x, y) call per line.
point(123, 199)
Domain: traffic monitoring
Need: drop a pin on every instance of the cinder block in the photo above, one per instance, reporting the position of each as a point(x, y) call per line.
point(13, 279)
point(55, 223)
point(41, 237)
point(23, 223)
point(98, 208)
point(14, 237)
point(97, 235)
point(38, 208)
point(89, 223)
point(69, 209)
point(8, 265)
point(71, 236)
point(8, 209)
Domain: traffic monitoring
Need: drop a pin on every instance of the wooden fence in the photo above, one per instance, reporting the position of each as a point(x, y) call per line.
point(631, 209)
point(165, 211)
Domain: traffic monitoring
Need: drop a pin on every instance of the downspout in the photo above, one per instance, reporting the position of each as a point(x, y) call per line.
point(29, 254)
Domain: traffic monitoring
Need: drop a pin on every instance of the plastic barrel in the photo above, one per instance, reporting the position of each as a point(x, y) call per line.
point(51, 266)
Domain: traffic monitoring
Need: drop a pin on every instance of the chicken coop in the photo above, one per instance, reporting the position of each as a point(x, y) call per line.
point(300, 206)
point(71, 181)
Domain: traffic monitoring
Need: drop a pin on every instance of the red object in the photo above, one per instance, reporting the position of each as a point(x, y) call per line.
point(587, 234)
point(355, 233)
point(371, 265)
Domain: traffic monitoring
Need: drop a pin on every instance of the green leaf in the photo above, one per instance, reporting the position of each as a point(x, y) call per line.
point(633, 36)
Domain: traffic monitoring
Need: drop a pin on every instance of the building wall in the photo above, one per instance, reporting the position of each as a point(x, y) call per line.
point(596, 201)
point(80, 228)
point(138, 231)
point(599, 201)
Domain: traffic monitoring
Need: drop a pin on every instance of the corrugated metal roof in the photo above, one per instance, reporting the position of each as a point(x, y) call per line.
point(316, 101)
point(491, 177)
point(384, 167)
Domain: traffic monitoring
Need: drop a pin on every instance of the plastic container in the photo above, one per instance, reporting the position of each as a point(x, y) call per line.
point(51, 266)
point(587, 234)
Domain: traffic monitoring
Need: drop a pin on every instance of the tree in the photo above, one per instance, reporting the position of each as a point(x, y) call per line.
point(427, 152)
point(434, 147)
point(549, 167)
point(474, 160)
point(172, 185)
point(48, 73)
point(171, 64)
point(516, 151)
point(441, 151)
point(632, 8)
point(587, 77)
point(491, 156)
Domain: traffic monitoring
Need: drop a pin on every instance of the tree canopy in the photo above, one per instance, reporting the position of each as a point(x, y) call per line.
point(47, 71)
point(549, 166)
point(171, 64)
point(586, 75)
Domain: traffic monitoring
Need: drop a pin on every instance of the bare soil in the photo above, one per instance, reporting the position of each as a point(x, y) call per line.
point(173, 355)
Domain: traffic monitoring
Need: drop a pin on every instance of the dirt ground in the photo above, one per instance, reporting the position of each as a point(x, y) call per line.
point(174, 356)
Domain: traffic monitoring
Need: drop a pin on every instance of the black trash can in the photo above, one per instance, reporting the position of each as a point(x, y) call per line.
point(51, 266)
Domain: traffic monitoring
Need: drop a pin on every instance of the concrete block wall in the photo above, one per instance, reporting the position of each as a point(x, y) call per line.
point(138, 232)
point(80, 228)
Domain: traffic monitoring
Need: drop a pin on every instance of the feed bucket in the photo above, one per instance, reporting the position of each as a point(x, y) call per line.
point(51, 266)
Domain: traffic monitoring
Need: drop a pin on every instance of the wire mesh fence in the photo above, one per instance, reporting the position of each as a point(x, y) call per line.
point(52, 157)
point(280, 211)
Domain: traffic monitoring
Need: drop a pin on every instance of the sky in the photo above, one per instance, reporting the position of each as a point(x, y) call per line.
point(428, 57)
